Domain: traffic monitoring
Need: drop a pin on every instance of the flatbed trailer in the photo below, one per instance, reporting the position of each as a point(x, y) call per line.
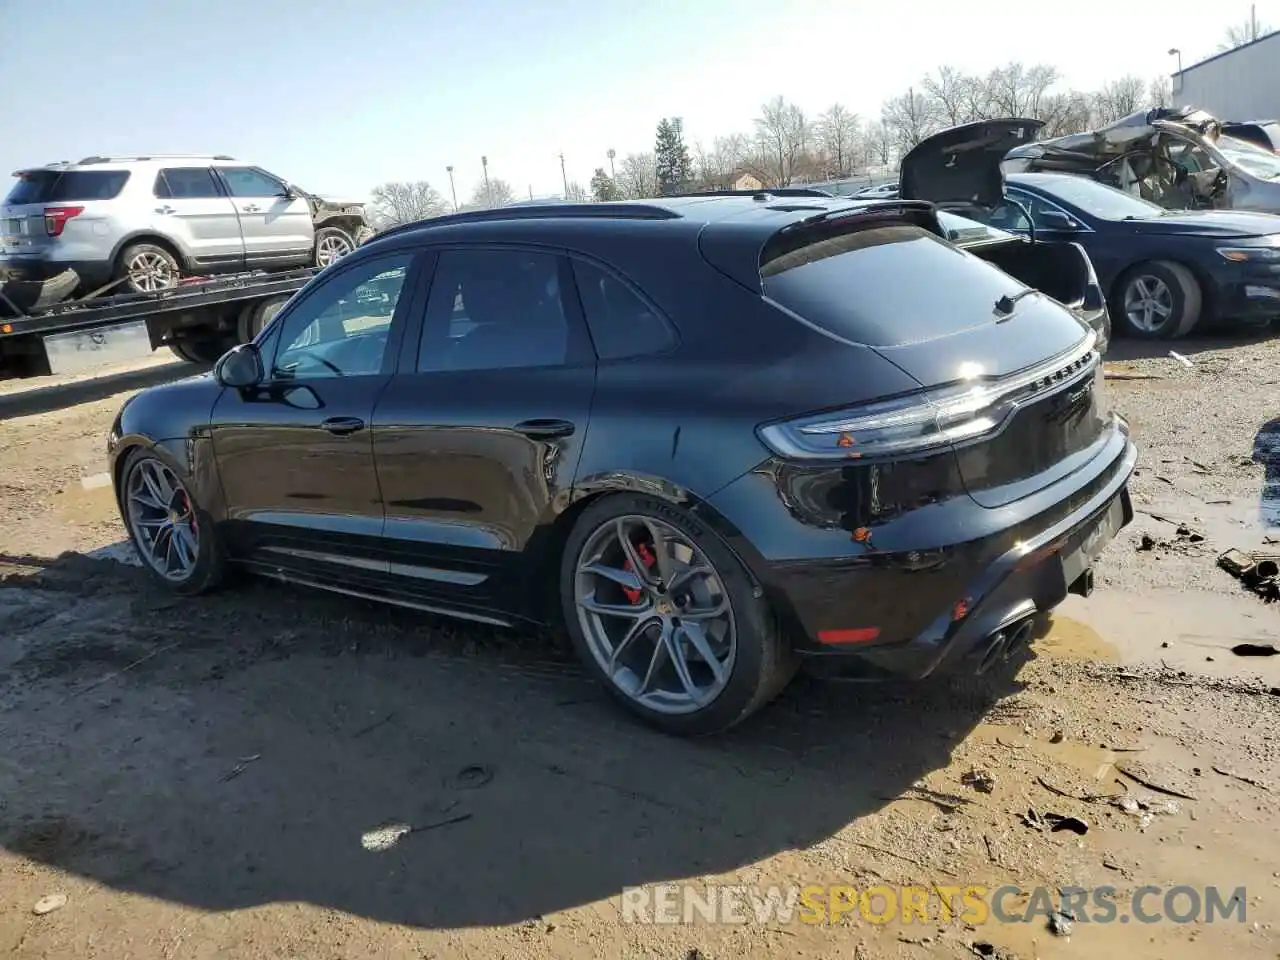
point(198, 321)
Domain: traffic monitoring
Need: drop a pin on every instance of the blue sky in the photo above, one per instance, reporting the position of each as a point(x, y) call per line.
point(339, 96)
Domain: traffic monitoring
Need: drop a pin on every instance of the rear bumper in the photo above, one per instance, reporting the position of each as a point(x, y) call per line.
point(918, 612)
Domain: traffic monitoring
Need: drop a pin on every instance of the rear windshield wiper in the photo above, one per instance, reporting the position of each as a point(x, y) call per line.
point(1006, 303)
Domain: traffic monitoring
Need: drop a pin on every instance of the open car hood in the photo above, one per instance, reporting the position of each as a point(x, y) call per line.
point(1082, 150)
point(961, 165)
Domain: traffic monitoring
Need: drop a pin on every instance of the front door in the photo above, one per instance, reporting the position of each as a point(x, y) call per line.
point(295, 455)
point(478, 438)
point(277, 227)
point(192, 209)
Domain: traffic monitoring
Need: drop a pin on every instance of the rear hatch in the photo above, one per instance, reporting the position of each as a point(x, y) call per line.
point(1009, 371)
point(45, 202)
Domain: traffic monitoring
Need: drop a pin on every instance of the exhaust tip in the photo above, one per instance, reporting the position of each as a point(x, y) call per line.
point(1083, 585)
point(1019, 637)
point(993, 653)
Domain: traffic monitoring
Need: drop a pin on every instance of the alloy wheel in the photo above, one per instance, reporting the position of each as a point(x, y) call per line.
point(163, 520)
point(1148, 303)
point(331, 248)
point(150, 271)
point(655, 614)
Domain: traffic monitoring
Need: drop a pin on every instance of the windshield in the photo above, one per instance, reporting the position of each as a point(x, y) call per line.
point(1099, 200)
point(1250, 157)
point(963, 230)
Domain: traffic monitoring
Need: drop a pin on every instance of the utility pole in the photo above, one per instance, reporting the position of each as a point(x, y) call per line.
point(488, 197)
point(1253, 21)
point(452, 189)
point(611, 153)
point(564, 177)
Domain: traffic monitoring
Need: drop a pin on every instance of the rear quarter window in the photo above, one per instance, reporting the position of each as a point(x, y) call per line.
point(622, 325)
point(52, 186)
point(886, 286)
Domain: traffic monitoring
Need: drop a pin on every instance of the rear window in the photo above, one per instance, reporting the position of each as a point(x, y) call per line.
point(887, 286)
point(55, 186)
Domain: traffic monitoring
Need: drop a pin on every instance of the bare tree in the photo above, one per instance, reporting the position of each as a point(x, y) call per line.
point(1015, 90)
point(1064, 113)
point(1160, 91)
point(837, 136)
point(782, 133)
point(399, 202)
point(879, 144)
point(1117, 99)
point(638, 176)
point(908, 119)
point(958, 98)
point(1242, 33)
point(491, 193)
point(577, 192)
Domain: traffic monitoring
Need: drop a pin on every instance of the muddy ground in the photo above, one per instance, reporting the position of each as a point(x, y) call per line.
point(201, 778)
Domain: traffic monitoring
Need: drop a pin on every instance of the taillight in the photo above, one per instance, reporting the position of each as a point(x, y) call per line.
point(927, 421)
point(55, 218)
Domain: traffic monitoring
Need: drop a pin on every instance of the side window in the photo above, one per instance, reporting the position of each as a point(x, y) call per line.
point(186, 183)
point(1010, 216)
point(492, 310)
point(341, 329)
point(247, 182)
point(622, 325)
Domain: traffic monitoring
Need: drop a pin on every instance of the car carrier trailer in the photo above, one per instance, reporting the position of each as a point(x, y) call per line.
point(198, 320)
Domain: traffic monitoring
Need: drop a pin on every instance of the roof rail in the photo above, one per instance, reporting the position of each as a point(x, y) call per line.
point(155, 156)
point(762, 193)
point(624, 210)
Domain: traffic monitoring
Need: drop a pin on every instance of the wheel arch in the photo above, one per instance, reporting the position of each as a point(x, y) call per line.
point(148, 236)
point(1208, 290)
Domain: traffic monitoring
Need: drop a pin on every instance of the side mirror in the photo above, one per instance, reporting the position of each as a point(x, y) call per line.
point(240, 367)
point(1056, 220)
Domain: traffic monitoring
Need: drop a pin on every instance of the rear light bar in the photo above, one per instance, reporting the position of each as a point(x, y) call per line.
point(924, 422)
point(55, 218)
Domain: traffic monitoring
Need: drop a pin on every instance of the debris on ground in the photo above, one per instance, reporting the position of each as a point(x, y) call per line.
point(1257, 571)
point(240, 767)
point(1160, 779)
point(1060, 923)
point(1260, 784)
point(50, 903)
point(1185, 361)
point(1255, 650)
point(979, 779)
point(1058, 822)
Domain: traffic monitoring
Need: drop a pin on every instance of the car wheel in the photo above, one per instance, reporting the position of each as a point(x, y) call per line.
point(255, 317)
point(668, 619)
point(1159, 300)
point(204, 350)
point(173, 537)
point(332, 244)
point(147, 268)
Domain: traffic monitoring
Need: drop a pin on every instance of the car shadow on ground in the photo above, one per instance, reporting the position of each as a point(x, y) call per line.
point(245, 748)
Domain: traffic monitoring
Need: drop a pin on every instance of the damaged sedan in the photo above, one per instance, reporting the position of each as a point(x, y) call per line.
point(1180, 158)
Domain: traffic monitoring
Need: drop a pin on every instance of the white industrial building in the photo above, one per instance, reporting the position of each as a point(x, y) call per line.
point(1240, 84)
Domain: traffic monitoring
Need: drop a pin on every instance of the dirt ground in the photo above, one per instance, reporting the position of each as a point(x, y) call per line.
point(206, 778)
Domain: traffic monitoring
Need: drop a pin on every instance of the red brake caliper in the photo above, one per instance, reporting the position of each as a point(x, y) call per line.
point(648, 559)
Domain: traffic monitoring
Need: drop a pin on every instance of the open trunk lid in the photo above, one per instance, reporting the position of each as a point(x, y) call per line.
point(961, 166)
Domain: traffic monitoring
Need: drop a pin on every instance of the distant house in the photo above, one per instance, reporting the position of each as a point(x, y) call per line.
point(747, 181)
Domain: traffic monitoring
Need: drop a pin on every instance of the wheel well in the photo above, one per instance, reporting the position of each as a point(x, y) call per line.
point(155, 241)
point(1206, 288)
point(346, 223)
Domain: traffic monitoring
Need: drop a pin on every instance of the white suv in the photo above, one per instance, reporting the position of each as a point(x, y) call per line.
point(140, 223)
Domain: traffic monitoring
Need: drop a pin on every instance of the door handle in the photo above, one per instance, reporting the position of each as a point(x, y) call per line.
point(251, 208)
point(165, 209)
point(546, 429)
point(341, 426)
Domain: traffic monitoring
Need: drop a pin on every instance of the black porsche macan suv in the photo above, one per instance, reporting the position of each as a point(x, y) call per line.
point(716, 436)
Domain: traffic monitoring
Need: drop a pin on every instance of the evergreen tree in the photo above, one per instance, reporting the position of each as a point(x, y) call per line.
point(603, 188)
point(674, 168)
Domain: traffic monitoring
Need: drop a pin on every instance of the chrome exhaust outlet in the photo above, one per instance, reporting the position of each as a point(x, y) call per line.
point(993, 653)
point(1019, 637)
point(1082, 585)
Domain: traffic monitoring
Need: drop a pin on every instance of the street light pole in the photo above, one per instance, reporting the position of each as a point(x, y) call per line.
point(488, 198)
point(564, 177)
point(611, 153)
point(453, 191)
point(1175, 52)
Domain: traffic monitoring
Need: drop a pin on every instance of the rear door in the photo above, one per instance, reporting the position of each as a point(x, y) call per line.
point(478, 437)
point(192, 209)
point(276, 226)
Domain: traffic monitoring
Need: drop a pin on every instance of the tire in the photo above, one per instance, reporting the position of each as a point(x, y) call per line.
point(1166, 284)
point(204, 350)
point(756, 666)
point(148, 267)
point(255, 316)
point(331, 244)
point(207, 561)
